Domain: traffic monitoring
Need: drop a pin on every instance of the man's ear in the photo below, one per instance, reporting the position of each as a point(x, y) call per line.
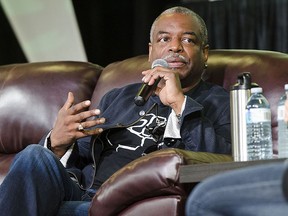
point(206, 52)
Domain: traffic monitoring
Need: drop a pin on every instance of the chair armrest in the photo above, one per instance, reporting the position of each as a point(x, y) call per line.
point(192, 157)
point(156, 174)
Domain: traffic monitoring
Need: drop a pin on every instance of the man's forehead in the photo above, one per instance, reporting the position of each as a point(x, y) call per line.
point(169, 23)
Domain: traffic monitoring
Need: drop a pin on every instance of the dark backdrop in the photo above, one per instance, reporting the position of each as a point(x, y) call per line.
point(114, 30)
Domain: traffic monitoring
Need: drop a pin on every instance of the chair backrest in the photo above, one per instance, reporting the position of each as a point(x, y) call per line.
point(31, 95)
point(268, 69)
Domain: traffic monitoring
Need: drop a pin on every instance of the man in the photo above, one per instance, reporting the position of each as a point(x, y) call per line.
point(260, 190)
point(185, 112)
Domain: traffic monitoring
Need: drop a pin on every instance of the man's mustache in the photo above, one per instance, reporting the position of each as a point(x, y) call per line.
point(175, 57)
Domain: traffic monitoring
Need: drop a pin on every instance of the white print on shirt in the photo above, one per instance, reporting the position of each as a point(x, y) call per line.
point(140, 131)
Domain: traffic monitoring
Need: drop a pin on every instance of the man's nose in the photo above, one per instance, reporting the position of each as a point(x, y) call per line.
point(176, 46)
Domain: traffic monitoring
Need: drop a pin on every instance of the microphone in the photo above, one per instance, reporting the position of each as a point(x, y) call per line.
point(146, 90)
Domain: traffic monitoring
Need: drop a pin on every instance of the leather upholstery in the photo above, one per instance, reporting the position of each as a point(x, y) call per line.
point(152, 177)
point(268, 69)
point(31, 95)
point(140, 181)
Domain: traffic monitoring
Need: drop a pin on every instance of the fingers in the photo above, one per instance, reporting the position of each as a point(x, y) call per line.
point(82, 116)
point(150, 76)
point(69, 102)
point(80, 107)
point(78, 114)
point(91, 123)
point(87, 125)
point(76, 108)
point(94, 131)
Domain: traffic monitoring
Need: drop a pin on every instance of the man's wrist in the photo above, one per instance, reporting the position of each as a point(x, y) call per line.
point(178, 106)
point(57, 151)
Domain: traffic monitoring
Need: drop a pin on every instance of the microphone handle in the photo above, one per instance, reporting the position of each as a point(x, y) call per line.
point(145, 92)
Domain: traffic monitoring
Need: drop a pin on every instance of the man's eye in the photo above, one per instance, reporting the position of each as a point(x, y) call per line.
point(164, 39)
point(188, 41)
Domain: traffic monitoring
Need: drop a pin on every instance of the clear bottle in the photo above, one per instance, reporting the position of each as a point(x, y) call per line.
point(282, 126)
point(258, 122)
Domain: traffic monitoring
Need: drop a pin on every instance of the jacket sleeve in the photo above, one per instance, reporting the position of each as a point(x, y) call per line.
point(80, 154)
point(206, 127)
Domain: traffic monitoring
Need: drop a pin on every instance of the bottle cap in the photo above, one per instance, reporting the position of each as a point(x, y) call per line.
point(243, 81)
point(256, 90)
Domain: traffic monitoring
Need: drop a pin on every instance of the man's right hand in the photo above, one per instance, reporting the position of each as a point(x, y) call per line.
point(66, 129)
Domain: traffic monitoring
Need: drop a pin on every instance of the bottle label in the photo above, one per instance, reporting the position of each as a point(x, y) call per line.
point(258, 115)
point(280, 113)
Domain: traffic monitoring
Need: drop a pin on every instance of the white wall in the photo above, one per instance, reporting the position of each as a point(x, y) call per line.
point(47, 30)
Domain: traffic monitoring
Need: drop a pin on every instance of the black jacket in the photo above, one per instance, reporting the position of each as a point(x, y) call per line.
point(205, 122)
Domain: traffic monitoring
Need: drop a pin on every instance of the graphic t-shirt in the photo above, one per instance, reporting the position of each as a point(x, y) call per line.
point(126, 144)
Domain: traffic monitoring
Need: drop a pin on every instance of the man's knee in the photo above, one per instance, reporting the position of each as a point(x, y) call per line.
point(33, 150)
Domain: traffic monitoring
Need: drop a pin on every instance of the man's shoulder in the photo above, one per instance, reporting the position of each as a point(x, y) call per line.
point(208, 89)
point(121, 93)
point(212, 87)
point(211, 93)
point(129, 87)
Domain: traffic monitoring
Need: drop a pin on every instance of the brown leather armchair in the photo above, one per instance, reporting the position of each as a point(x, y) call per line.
point(31, 95)
point(150, 185)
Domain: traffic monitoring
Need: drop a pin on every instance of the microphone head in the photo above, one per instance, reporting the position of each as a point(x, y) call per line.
point(160, 63)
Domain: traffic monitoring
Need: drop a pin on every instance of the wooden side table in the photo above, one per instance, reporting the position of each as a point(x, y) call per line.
point(197, 172)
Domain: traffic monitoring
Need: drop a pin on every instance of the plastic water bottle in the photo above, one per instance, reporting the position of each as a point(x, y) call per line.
point(258, 120)
point(282, 126)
